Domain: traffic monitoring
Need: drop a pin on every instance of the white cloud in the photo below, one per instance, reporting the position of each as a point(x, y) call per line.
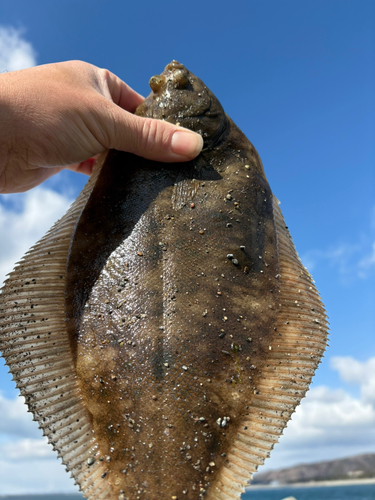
point(326, 415)
point(15, 52)
point(15, 422)
point(26, 449)
point(367, 262)
point(24, 218)
point(26, 455)
point(331, 423)
point(351, 259)
point(340, 256)
point(34, 475)
point(355, 372)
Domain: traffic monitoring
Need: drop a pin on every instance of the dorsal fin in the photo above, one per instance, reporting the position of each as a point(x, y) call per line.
point(34, 343)
point(302, 337)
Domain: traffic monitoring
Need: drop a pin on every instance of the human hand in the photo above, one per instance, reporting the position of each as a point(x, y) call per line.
point(61, 115)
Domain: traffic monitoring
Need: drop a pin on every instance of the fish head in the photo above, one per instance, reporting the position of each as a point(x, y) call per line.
point(181, 98)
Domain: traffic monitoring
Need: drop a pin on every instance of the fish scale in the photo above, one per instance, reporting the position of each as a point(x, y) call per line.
point(164, 330)
point(181, 270)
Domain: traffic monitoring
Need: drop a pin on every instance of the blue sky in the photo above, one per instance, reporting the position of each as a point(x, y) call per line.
point(298, 78)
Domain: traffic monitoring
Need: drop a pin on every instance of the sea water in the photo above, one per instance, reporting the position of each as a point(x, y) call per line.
point(42, 497)
point(350, 492)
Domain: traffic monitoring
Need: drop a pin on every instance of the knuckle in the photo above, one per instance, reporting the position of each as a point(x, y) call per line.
point(148, 135)
point(105, 78)
point(153, 136)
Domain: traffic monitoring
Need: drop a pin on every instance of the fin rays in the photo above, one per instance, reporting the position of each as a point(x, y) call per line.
point(302, 325)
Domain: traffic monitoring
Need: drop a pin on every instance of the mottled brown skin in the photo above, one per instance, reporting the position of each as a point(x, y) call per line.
point(168, 334)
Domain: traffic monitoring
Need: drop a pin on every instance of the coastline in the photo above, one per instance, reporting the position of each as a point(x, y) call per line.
point(312, 484)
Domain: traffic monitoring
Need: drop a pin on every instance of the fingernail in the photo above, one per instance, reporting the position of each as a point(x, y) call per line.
point(187, 143)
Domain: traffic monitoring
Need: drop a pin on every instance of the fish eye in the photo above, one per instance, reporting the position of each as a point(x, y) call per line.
point(180, 79)
point(156, 82)
point(174, 65)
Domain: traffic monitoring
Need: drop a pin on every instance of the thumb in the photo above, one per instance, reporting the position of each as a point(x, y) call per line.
point(150, 138)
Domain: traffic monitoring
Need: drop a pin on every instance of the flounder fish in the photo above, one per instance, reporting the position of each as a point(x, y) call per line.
point(164, 330)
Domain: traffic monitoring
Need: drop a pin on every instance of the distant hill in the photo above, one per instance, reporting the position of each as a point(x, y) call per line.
point(358, 467)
